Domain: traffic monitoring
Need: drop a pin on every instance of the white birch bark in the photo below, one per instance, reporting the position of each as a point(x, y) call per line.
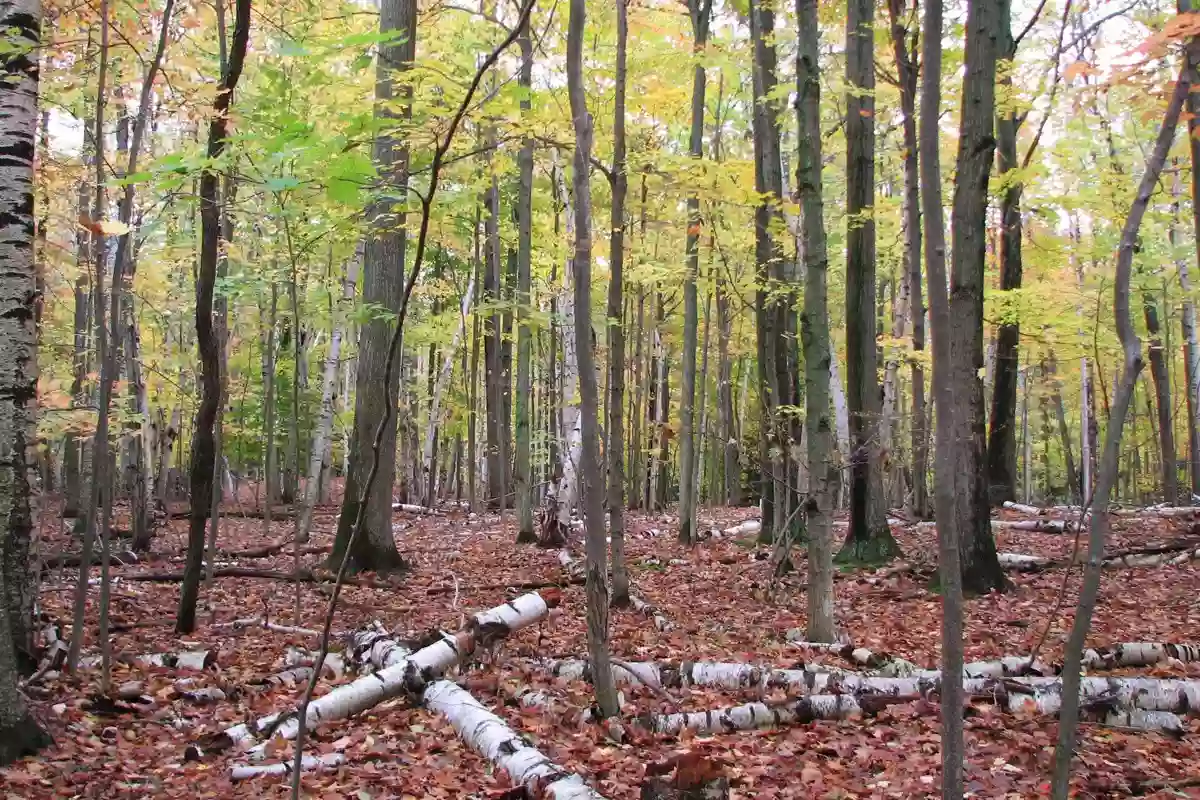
point(571, 448)
point(756, 715)
point(405, 674)
point(841, 414)
point(489, 736)
point(324, 426)
point(241, 772)
point(376, 649)
point(439, 389)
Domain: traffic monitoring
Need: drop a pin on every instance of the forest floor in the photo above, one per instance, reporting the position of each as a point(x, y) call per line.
point(722, 606)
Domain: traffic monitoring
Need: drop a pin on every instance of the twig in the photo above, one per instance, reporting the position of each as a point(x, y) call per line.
point(1062, 589)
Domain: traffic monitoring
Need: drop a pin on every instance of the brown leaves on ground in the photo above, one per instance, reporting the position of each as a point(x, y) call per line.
point(724, 606)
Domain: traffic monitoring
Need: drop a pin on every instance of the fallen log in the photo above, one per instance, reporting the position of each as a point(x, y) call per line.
point(58, 560)
point(375, 648)
point(241, 772)
point(1021, 508)
point(278, 513)
point(640, 605)
point(1139, 654)
point(184, 659)
point(409, 674)
point(412, 509)
point(303, 576)
point(489, 736)
point(1035, 525)
point(262, 622)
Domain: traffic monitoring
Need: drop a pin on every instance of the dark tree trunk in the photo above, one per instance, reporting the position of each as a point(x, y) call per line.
point(1002, 432)
point(904, 54)
point(981, 572)
point(203, 445)
point(869, 538)
point(1162, 399)
point(700, 12)
point(616, 331)
point(383, 284)
point(521, 468)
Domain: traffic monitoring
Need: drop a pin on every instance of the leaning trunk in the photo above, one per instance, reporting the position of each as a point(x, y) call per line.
point(1106, 478)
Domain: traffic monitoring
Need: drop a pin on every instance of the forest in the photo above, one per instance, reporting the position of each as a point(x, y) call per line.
point(447, 399)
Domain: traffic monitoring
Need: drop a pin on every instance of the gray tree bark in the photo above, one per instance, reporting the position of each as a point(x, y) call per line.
point(383, 284)
point(616, 331)
point(522, 476)
point(593, 500)
point(700, 11)
point(814, 329)
point(1106, 478)
point(869, 538)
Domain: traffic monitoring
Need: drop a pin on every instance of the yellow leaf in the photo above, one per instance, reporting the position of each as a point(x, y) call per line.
point(112, 227)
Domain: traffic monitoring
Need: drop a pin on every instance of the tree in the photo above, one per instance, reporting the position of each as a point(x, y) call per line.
point(589, 462)
point(965, 455)
point(700, 12)
point(616, 329)
point(1106, 477)
point(21, 20)
point(383, 285)
point(869, 539)
point(907, 74)
point(203, 445)
point(945, 485)
point(522, 478)
point(814, 329)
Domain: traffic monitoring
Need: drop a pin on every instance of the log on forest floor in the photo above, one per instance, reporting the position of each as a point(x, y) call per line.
point(410, 674)
point(184, 659)
point(262, 622)
point(277, 513)
point(241, 772)
point(489, 736)
point(120, 558)
point(303, 576)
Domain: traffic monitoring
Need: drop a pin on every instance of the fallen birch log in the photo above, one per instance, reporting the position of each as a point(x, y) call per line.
point(746, 528)
point(185, 659)
point(489, 736)
point(412, 509)
point(262, 622)
point(376, 648)
point(242, 772)
point(1021, 562)
point(1139, 654)
point(408, 674)
point(640, 605)
point(1035, 525)
point(1021, 508)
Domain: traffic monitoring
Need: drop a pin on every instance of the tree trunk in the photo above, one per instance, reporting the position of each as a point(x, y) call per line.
point(904, 43)
point(383, 284)
point(271, 450)
point(980, 568)
point(1002, 438)
point(700, 12)
point(945, 490)
point(869, 539)
point(1162, 398)
point(74, 478)
point(20, 734)
point(324, 426)
point(1191, 348)
point(1064, 432)
point(473, 380)
point(814, 330)
point(570, 424)
point(589, 466)
point(203, 445)
point(522, 475)
point(616, 331)
point(100, 490)
point(429, 468)
point(1106, 478)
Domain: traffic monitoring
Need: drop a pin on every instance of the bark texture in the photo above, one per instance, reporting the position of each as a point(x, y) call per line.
point(814, 330)
point(869, 539)
point(383, 284)
point(589, 465)
point(203, 443)
point(20, 734)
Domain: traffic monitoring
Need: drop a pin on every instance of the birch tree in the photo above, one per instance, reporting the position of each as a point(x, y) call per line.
point(21, 21)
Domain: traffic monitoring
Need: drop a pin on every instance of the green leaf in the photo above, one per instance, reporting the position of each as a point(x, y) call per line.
point(349, 174)
point(282, 184)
